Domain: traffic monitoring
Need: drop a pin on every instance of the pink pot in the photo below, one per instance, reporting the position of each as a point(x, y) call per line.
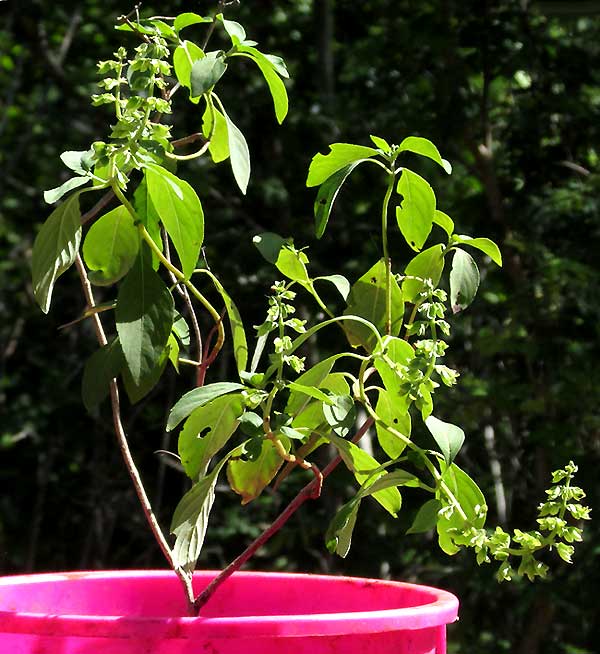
point(137, 612)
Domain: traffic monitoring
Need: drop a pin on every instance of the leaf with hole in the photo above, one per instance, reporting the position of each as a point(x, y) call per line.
point(392, 410)
point(206, 430)
point(340, 155)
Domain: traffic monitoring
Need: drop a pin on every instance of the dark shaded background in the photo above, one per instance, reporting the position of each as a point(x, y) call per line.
point(510, 93)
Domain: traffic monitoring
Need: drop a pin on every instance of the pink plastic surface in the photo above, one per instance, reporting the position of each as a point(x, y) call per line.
point(137, 612)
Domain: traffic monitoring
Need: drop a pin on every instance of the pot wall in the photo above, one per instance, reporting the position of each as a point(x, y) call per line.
point(254, 613)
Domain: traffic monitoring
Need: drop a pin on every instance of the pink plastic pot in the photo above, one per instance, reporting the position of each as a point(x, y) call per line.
point(253, 613)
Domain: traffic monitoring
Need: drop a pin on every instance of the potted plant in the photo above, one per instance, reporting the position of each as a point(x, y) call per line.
point(142, 243)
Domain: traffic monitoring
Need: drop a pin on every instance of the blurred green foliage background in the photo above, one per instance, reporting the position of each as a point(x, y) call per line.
point(509, 90)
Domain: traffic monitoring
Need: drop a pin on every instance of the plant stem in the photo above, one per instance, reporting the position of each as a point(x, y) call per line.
point(134, 474)
point(386, 254)
point(312, 490)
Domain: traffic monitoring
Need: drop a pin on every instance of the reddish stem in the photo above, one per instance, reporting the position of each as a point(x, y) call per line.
point(312, 490)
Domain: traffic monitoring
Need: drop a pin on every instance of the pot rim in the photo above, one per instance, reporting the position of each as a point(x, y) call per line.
point(441, 610)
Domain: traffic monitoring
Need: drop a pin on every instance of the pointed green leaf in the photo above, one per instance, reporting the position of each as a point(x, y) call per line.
point(138, 389)
point(100, 369)
point(389, 480)
point(279, 251)
point(416, 211)
point(486, 245)
point(449, 437)
point(327, 194)
point(199, 397)
point(146, 212)
point(338, 536)
point(428, 264)
point(206, 72)
point(464, 280)
point(279, 65)
point(340, 413)
point(249, 478)
point(219, 142)
point(236, 32)
point(206, 430)
point(312, 378)
point(55, 249)
point(190, 519)
point(426, 518)
point(425, 148)
point(444, 221)
point(367, 299)
point(80, 162)
point(380, 143)
point(339, 281)
point(144, 317)
point(472, 504)
point(55, 194)
point(189, 18)
point(363, 466)
point(276, 86)
point(184, 57)
point(181, 213)
point(323, 166)
point(239, 154)
point(111, 246)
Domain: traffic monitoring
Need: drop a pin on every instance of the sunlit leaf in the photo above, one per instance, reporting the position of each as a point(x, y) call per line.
point(425, 148)
point(416, 211)
point(323, 166)
point(198, 397)
point(449, 437)
point(464, 280)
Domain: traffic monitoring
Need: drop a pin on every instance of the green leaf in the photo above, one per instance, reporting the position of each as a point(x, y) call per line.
point(416, 211)
point(55, 194)
point(339, 281)
point(181, 213)
point(363, 465)
point(189, 18)
point(472, 503)
point(389, 480)
point(279, 65)
point(146, 212)
point(367, 299)
point(181, 329)
point(338, 536)
point(425, 148)
point(464, 280)
point(428, 264)
point(249, 478)
point(444, 221)
point(102, 367)
point(426, 518)
point(190, 519)
point(144, 317)
point(206, 430)
point(380, 143)
point(239, 154)
point(323, 166)
point(80, 162)
point(449, 437)
point(340, 413)
point(199, 397)
point(238, 334)
point(138, 389)
point(486, 245)
point(173, 351)
point(327, 194)
point(236, 32)
point(206, 72)
point(184, 57)
point(111, 246)
point(395, 417)
point(277, 250)
point(219, 143)
point(55, 249)
point(311, 391)
point(276, 86)
point(312, 378)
